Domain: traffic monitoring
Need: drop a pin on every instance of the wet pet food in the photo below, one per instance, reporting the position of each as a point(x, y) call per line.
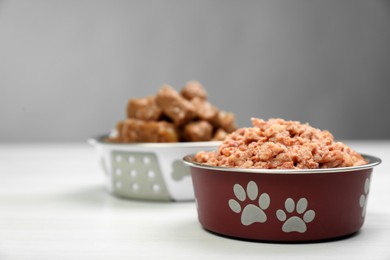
point(171, 116)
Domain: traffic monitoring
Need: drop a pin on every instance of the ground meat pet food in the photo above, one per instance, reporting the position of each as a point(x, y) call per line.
point(280, 144)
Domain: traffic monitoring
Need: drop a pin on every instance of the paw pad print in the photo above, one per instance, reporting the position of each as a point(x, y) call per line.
point(297, 222)
point(179, 170)
point(364, 197)
point(254, 211)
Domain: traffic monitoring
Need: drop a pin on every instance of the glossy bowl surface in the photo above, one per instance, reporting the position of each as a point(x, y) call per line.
point(148, 171)
point(282, 205)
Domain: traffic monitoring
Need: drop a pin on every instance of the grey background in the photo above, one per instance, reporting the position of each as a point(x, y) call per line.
point(67, 68)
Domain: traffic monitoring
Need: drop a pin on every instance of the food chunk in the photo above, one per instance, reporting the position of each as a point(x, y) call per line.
point(144, 109)
point(135, 130)
point(174, 106)
point(219, 135)
point(226, 121)
point(198, 131)
point(194, 89)
point(204, 110)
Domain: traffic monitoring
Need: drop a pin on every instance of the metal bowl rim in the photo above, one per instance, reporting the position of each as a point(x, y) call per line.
point(372, 161)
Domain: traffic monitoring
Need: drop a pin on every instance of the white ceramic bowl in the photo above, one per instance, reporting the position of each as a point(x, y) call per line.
point(148, 171)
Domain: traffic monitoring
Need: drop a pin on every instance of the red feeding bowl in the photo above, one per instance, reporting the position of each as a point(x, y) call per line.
point(282, 205)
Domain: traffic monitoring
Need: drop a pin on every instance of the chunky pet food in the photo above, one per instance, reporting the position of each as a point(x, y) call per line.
point(172, 116)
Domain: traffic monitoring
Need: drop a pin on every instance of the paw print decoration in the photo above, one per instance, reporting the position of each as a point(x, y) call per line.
point(363, 198)
point(294, 216)
point(296, 222)
point(253, 212)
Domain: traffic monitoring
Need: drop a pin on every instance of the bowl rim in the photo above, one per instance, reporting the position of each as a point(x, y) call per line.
point(372, 161)
point(99, 140)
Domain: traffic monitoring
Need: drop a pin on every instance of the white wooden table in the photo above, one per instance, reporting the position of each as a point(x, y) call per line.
point(53, 205)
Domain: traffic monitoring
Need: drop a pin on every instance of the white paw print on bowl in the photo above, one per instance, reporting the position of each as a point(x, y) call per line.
point(297, 222)
point(253, 212)
point(364, 197)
